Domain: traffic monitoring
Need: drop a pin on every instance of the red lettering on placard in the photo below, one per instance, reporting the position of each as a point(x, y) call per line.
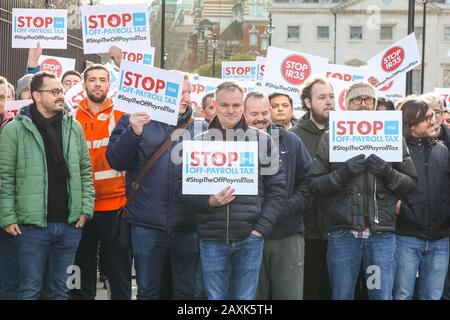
point(147, 83)
point(295, 69)
point(53, 66)
point(392, 59)
point(363, 128)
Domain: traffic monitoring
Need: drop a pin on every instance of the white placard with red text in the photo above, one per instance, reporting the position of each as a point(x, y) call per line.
point(345, 73)
point(261, 67)
point(340, 91)
point(13, 107)
point(395, 61)
point(394, 90)
point(124, 26)
point(239, 70)
point(74, 96)
point(145, 57)
point(210, 166)
point(151, 90)
point(202, 86)
point(288, 70)
point(445, 94)
point(56, 65)
point(360, 132)
point(45, 26)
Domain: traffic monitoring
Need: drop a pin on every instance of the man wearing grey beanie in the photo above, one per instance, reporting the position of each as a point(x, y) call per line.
point(360, 196)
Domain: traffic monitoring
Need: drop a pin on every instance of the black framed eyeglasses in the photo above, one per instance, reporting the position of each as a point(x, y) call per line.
point(55, 92)
point(430, 117)
point(367, 100)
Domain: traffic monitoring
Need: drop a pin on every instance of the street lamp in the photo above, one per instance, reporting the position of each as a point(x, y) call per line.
point(424, 2)
point(270, 28)
point(214, 44)
point(163, 32)
point(411, 12)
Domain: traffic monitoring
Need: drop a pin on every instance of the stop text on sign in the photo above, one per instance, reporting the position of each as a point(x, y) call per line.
point(295, 69)
point(353, 127)
point(392, 59)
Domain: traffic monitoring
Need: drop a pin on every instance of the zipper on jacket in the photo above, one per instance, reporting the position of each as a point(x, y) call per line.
point(375, 202)
point(228, 223)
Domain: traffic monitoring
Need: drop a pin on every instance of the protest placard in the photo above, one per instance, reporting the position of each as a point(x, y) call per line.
point(13, 107)
point(210, 166)
point(359, 132)
point(239, 70)
point(288, 70)
point(345, 73)
point(340, 91)
point(394, 90)
point(445, 94)
point(395, 61)
point(45, 26)
point(261, 66)
point(202, 86)
point(147, 89)
point(74, 95)
point(122, 26)
point(56, 65)
point(145, 57)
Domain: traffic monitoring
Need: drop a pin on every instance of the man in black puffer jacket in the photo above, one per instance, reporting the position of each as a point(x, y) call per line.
point(232, 228)
point(424, 214)
point(359, 196)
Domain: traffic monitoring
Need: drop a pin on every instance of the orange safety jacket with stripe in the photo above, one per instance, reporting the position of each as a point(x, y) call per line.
point(109, 184)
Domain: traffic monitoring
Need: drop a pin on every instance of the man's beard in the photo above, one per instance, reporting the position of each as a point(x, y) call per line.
point(96, 99)
point(319, 118)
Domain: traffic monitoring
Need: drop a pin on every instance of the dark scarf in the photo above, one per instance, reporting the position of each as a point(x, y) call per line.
point(183, 117)
point(47, 128)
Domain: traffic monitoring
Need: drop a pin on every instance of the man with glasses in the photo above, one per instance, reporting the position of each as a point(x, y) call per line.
point(360, 196)
point(47, 193)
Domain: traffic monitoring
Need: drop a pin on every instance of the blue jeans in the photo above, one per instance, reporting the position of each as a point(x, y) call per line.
point(52, 247)
point(344, 256)
point(9, 266)
point(430, 259)
point(150, 248)
point(231, 271)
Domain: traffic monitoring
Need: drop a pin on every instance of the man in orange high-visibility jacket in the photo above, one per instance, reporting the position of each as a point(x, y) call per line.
point(98, 118)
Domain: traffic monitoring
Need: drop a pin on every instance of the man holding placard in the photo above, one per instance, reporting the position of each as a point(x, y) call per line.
point(161, 227)
point(360, 195)
point(232, 227)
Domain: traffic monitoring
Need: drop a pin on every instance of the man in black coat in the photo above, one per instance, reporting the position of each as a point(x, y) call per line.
point(281, 275)
point(232, 228)
point(360, 196)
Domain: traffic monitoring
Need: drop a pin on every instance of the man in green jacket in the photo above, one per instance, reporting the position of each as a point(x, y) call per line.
point(46, 191)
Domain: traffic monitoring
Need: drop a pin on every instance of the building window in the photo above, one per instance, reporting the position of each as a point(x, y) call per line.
point(355, 33)
point(264, 43)
point(416, 80)
point(386, 32)
point(323, 33)
point(293, 32)
point(419, 33)
point(447, 79)
point(253, 39)
point(447, 34)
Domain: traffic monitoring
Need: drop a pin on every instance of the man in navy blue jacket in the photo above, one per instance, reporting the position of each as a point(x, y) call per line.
point(161, 227)
point(281, 275)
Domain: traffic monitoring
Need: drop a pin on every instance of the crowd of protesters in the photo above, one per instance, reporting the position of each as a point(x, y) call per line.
point(315, 230)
